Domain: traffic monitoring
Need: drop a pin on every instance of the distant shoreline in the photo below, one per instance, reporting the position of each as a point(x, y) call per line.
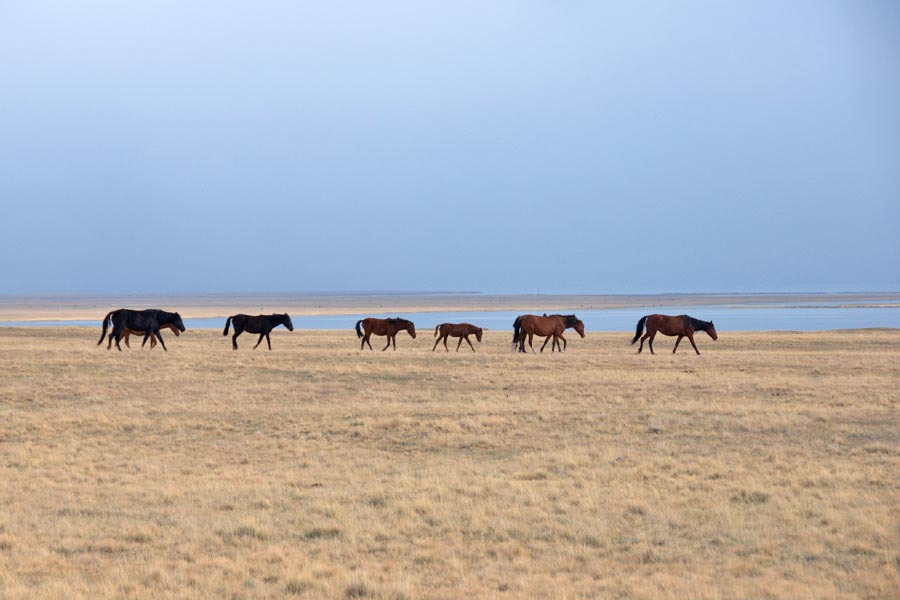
point(79, 308)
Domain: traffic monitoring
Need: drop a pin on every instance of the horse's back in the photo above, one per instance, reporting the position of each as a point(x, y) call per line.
point(543, 325)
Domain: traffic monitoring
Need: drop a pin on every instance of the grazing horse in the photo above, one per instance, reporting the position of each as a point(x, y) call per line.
point(552, 326)
point(388, 327)
point(261, 324)
point(570, 321)
point(126, 333)
point(460, 330)
point(682, 326)
point(149, 321)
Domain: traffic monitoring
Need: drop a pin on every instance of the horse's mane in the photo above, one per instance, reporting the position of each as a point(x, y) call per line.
point(698, 325)
point(570, 320)
point(397, 321)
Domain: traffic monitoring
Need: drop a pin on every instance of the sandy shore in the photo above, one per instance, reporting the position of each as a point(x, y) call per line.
point(74, 308)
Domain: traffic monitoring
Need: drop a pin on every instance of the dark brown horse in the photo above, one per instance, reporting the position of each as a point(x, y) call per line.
point(126, 333)
point(551, 326)
point(148, 320)
point(261, 324)
point(460, 330)
point(388, 327)
point(682, 326)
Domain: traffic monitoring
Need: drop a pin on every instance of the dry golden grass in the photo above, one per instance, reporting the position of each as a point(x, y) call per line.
point(767, 467)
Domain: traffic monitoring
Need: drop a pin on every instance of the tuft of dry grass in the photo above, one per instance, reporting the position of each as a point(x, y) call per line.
point(764, 468)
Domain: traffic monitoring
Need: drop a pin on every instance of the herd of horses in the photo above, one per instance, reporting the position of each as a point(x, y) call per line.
point(149, 322)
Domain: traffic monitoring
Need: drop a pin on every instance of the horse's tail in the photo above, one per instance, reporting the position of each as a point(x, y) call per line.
point(640, 329)
point(227, 325)
point(359, 332)
point(517, 326)
point(106, 320)
point(436, 327)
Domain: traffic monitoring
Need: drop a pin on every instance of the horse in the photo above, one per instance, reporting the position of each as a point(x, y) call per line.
point(126, 333)
point(261, 324)
point(460, 330)
point(570, 321)
point(149, 321)
point(552, 326)
point(682, 326)
point(388, 327)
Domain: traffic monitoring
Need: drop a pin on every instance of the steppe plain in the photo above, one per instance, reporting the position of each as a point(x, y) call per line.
point(766, 467)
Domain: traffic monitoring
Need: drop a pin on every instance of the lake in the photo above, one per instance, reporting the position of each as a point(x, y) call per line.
point(751, 317)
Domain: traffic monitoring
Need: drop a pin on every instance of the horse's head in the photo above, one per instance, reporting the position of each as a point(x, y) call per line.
point(578, 326)
point(711, 330)
point(177, 322)
point(478, 334)
point(286, 320)
point(411, 328)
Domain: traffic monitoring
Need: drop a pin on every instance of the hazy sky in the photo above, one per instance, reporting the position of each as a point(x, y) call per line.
point(164, 147)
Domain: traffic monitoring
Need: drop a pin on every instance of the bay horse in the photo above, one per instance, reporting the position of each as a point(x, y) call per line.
point(149, 321)
point(682, 326)
point(126, 333)
point(261, 324)
point(460, 330)
point(570, 321)
point(549, 326)
point(388, 327)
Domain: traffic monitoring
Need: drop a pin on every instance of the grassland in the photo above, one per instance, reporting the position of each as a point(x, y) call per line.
point(767, 467)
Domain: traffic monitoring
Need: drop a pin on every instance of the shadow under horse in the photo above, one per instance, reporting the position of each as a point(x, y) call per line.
point(261, 324)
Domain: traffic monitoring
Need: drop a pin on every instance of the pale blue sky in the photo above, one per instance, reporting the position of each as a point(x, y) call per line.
point(582, 147)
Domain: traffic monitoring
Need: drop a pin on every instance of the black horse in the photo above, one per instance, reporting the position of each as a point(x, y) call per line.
point(149, 321)
point(261, 324)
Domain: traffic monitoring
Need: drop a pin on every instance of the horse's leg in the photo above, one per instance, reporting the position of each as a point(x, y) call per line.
point(234, 339)
point(469, 342)
point(436, 342)
point(268, 341)
point(531, 341)
point(650, 342)
point(367, 340)
point(125, 335)
point(394, 339)
point(690, 336)
point(388, 344)
point(161, 342)
point(116, 335)
point(259, 341)
point(548, 338)
point(362, 342)
point(460, 342)
point(561, 345)
point(678, 341)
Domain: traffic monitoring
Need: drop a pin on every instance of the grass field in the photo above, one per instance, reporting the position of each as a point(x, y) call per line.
point(767, 467)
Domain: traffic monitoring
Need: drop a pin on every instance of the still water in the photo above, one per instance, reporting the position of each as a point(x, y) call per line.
point(727, 318)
